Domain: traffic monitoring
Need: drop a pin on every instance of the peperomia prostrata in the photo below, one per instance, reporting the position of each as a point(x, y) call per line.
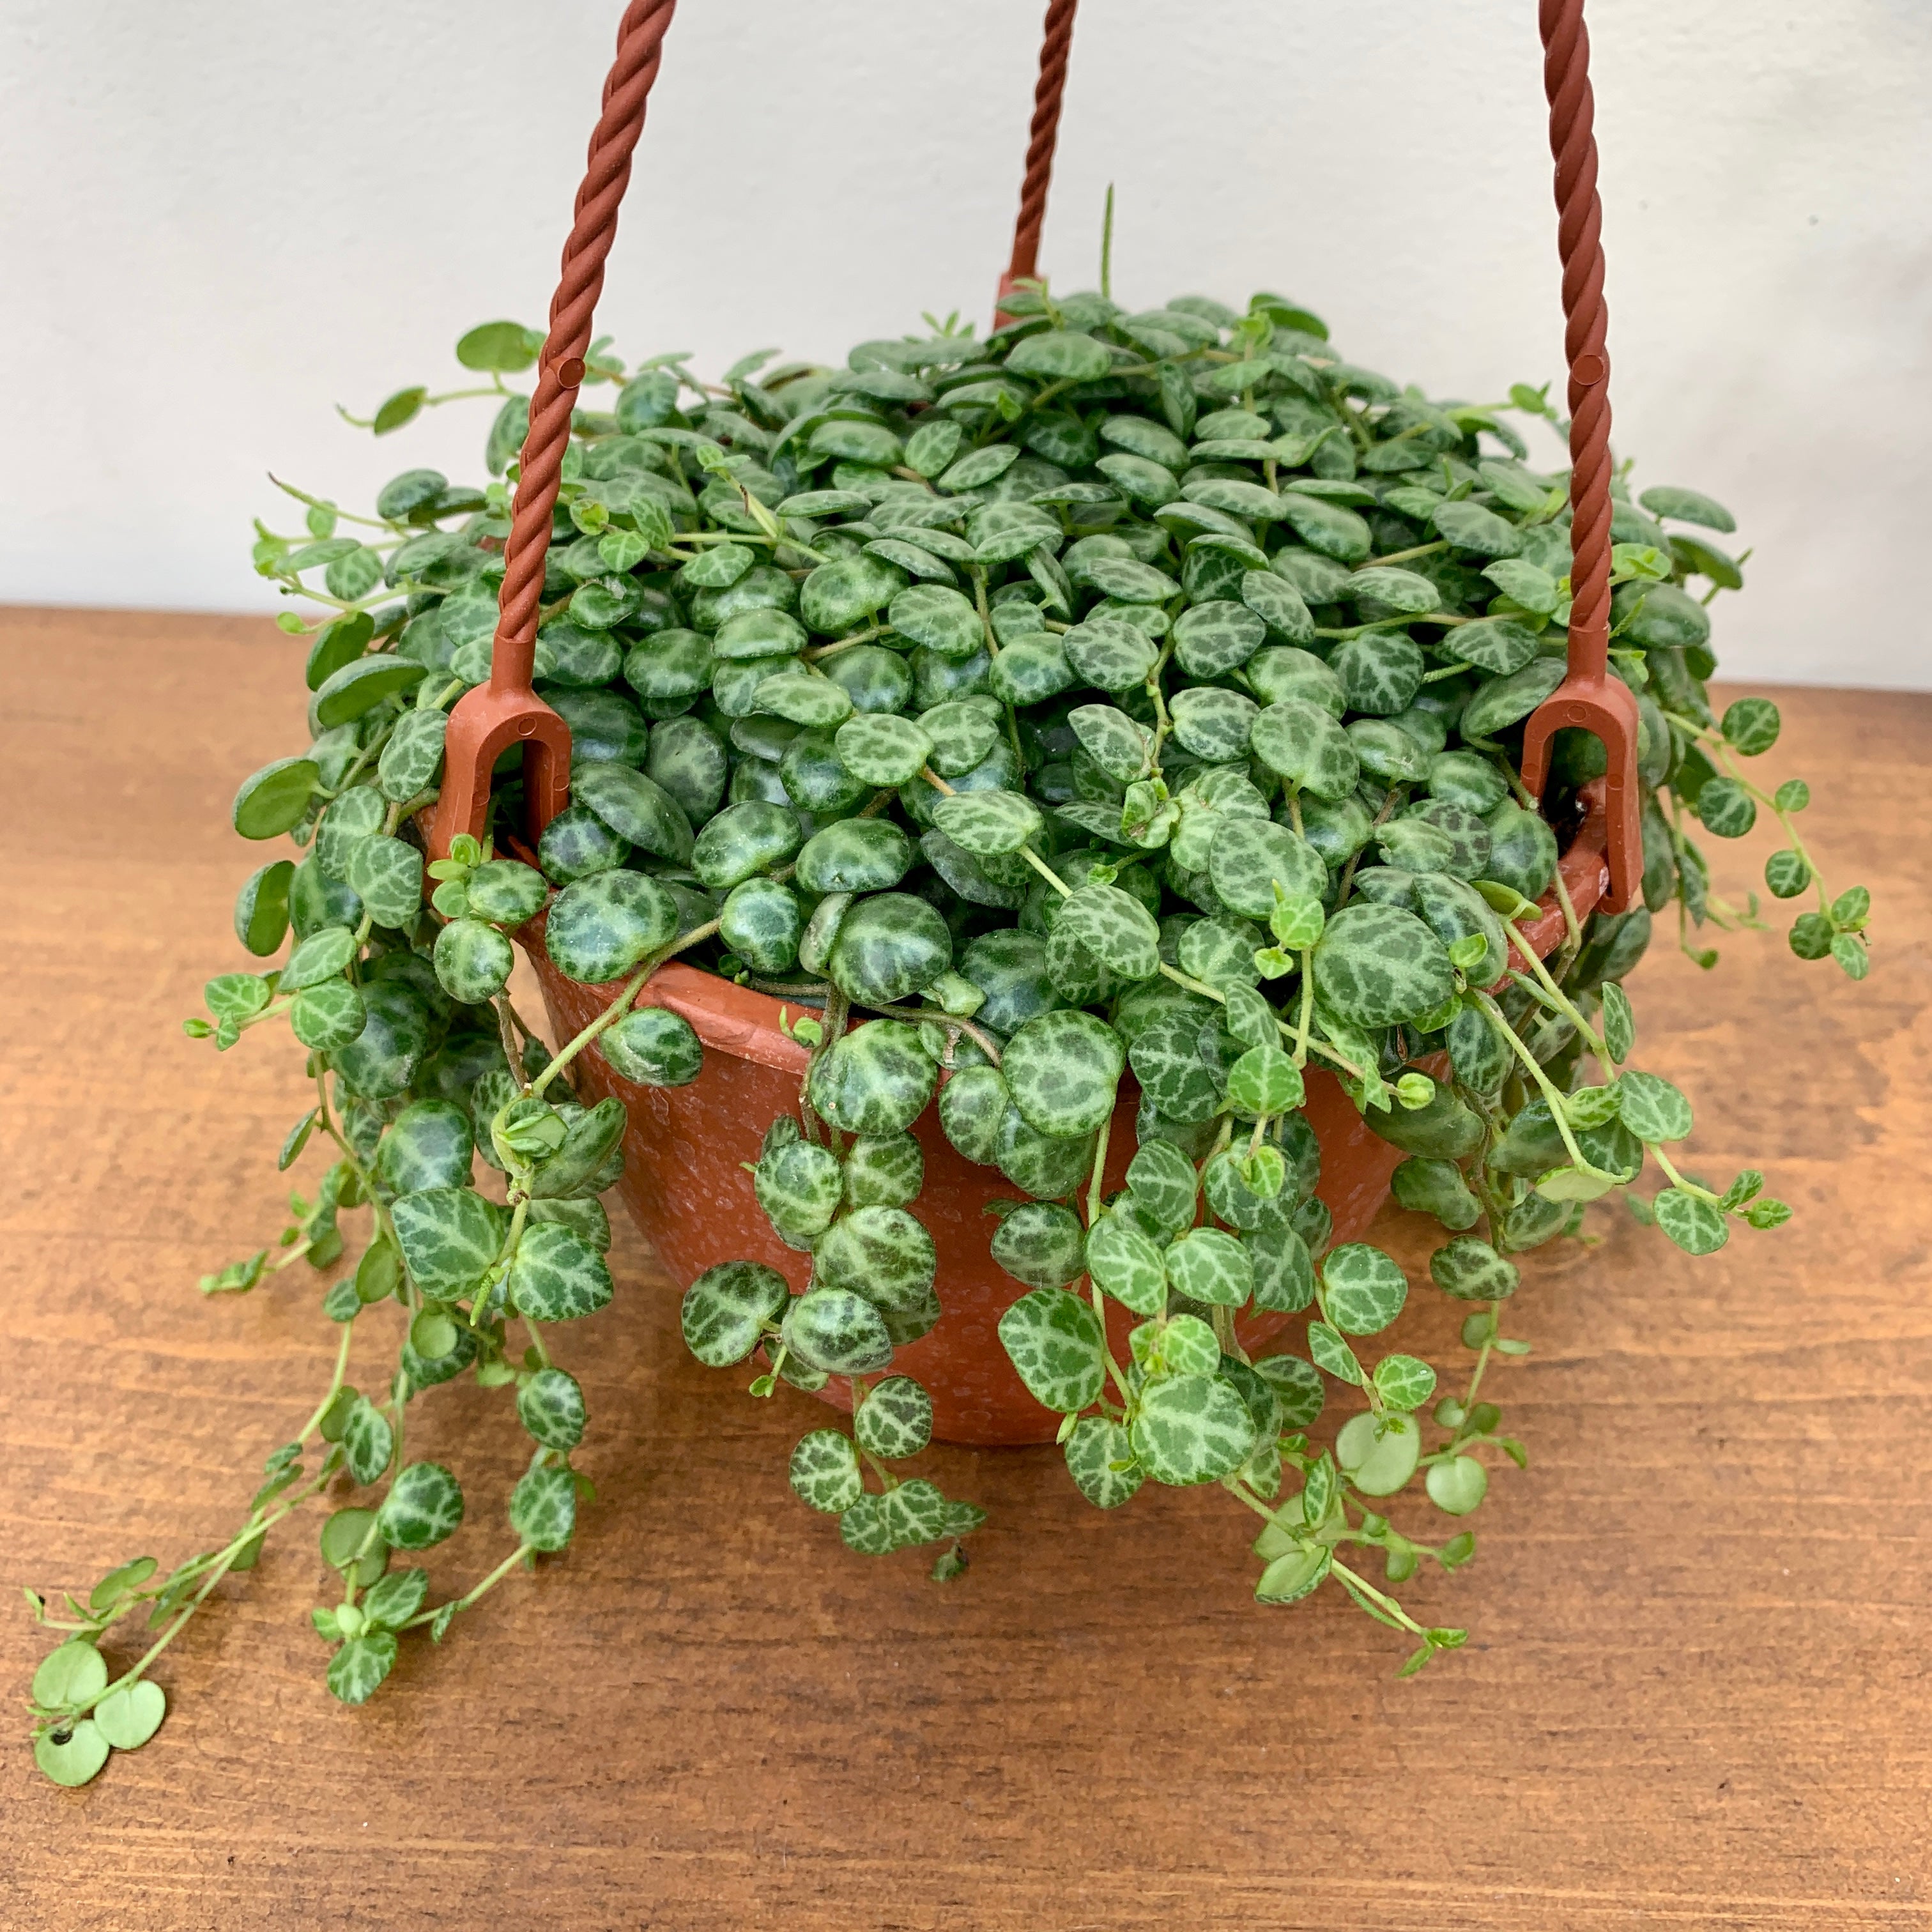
point(1116, 691)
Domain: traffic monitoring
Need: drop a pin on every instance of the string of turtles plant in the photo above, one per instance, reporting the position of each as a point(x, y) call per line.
point(1118, 690)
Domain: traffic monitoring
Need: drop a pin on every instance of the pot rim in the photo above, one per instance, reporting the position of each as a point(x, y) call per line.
point(733, 1019)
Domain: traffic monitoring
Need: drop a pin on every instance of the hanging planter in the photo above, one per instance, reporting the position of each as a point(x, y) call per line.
point(1026, 841)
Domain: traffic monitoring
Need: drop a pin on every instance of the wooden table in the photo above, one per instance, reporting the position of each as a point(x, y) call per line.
point(1695, 1690)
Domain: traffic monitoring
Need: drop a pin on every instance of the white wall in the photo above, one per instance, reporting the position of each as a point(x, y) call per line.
point(217, 219)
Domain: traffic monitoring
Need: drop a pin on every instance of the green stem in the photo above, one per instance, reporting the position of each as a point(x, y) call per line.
point(1677, 1180)
point(1560, 1001)
point(1403, 556)
point(928, 1016)
point(621, 1005)
point(1493, 1014)
point(257, 1525)
point(1096, 1187)
point(1387, 1604)
point(469, 1597)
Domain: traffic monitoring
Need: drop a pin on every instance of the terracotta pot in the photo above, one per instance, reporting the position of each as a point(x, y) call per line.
point(687, 1187)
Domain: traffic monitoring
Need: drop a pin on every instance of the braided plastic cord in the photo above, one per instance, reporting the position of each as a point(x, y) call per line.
point(506, 710)
point(1579, 229)
point(1058, 38)
point(1589, 698)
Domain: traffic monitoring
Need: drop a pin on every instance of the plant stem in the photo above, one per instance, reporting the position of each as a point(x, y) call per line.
point(470, 1597)
point(1493, 1014)
point(621, 1005)
point(926, 1016)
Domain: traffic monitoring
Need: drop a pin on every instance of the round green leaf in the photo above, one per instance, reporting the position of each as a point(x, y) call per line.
point(963, 731)
point(1100, 1460)
point(329, 1017)
point(638, 809)
point(556, 1275)
point(883, 1171)
point(824, 1472)
point(601, 928)
point(1294, 1574)
point(1457, 1487)
point(1500, 646)
point(883, 749)
point(1652, 1108)
point(1377, 966)
point(988, 823)
point(1175, 1075)
point(1379, 1453)
point(1053, 1340)
point(1162, 1181)
point(1503, 701)
point(262, 908)
point(505, 892)
point(360, 686)
point(839, 596)
point(761, 922)
point(1062, 1069)
point(1264, 1080)
point(1404, 1382)
point(895, 1419)
point(654, 1047)
point(940, 619)
point(1725, 808)
point(69, 1677)
point(1192, 1429)
point(1109, 653)
point(424, 1505)
point(543, 1508)
point(837, 1331)
point(129, 1717)
point(1213, 724)
point(71, 1756)
point(1300, 1395)
point(1037, 1242)
point(725, 1309)
point(273, 800)
point(1687, 506)
point(505, 347)
point(1250, 858)
point(428, 1145)
point(876, 1079)
point(473, 962)
point(799, 1186)
point(449, 1237)
point(1215, 637)
point(1211, 1266)
point(1472, 1270)
point(1114, 928)
point(1127, 1264)
point(1061, 355)
point(550, 1405)
point(1691, 1223)
point(889, 947)
point(883, 1254)
point(1300, 742)
point(1363, 1288)
point(1381, 672)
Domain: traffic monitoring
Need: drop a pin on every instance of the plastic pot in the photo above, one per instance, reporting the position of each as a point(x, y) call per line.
point(686, 1185)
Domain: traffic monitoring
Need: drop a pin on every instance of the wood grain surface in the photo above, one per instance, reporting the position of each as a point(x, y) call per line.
point(1696, 1691)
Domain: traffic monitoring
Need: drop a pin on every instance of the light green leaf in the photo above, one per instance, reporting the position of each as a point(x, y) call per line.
point(1053, 1340)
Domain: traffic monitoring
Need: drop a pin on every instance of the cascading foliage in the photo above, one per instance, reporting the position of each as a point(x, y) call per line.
point(1117, 691)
